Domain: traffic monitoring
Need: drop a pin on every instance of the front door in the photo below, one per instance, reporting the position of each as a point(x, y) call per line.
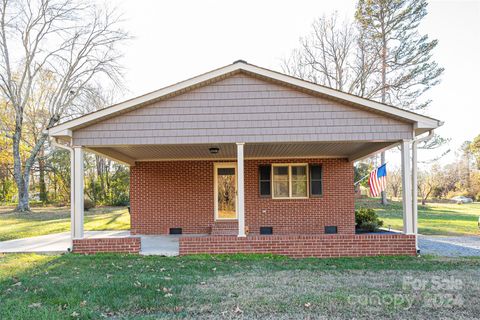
point(225, 192)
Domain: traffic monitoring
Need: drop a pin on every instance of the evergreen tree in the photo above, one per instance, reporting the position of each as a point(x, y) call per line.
point(407, 69)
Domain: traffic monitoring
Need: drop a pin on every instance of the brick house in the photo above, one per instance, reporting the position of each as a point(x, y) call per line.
point(250, 159)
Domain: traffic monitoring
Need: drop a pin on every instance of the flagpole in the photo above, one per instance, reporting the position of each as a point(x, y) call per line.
point(355, 183)
point(361, 179)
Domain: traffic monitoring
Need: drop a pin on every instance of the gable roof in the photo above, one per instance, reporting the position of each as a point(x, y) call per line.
point(421, 123)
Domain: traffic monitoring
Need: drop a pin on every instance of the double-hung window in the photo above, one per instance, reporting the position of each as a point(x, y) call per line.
point(290, 180)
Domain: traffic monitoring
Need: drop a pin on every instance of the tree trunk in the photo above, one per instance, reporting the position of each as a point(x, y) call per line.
point(55, 186)
point(21, 178)
point(4, 177)
point(100, 172)
point(22, 175)
point(107, 164)
point(23, 204)
point(41, 182)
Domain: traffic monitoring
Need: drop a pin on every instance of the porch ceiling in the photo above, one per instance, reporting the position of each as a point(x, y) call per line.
point(131, 153)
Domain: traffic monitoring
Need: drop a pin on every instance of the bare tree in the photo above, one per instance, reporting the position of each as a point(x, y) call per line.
point(425, 186)
point(72, 44)
point(428, 181)
point(335, 54)
point(394, 182)
point(98, 98)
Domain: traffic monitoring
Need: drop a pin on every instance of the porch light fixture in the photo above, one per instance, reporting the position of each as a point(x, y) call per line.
point(214, 150)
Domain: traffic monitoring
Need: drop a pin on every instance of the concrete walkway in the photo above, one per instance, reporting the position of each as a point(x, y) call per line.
point(52, 243)
point(450, 246)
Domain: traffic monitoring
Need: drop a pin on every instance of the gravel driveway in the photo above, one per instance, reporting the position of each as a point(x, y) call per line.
point(449, 246)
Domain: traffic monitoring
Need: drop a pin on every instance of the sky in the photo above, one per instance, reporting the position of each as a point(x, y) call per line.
point(175, 40)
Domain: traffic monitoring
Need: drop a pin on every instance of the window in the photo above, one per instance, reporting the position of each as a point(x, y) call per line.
point(299, 181)
point(290, 181)
point(265, 173)
point(315, 180)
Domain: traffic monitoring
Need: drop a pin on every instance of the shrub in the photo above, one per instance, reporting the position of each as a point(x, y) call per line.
point(120, 200)
point(88, 204)
point(366, 219)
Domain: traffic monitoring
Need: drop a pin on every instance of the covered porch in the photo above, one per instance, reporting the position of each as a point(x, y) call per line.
point(249, 156)
point(233, 156)
point(221, 238)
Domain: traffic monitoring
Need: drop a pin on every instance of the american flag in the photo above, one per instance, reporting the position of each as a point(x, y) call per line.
point(378, 180)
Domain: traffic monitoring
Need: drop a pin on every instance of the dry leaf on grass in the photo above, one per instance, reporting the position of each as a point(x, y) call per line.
point(35, 305)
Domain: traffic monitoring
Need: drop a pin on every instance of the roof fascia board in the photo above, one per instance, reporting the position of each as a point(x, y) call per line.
point(64, 133)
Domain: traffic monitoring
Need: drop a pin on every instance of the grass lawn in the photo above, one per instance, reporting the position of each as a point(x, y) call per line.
point(46, 220)
point(249, 286)
point(433, 218)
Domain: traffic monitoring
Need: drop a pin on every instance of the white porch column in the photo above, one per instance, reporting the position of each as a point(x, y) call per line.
point(407, 188)
point(415, 190)
point(240, 190)
point(77, 184)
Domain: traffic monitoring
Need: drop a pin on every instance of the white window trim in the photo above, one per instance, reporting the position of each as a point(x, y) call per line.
point(215, 189)
point(289, 165)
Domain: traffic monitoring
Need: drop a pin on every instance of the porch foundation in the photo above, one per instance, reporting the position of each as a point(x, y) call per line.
point(110, 244)
point(303, 246)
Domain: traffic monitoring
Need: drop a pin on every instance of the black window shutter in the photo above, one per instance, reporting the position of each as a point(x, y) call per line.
point(315, 180)
point(265, 184)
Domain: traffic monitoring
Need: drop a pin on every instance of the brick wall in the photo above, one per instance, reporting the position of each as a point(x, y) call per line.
point(170, 194)
point(302, 246)
point(166, 195)
point(111, 244)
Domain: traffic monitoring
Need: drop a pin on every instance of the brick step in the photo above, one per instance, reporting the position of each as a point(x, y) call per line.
point(225, 228)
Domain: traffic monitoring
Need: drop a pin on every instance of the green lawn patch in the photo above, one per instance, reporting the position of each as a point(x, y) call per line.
point(250, 286)
point(433, 218)
point(47, 220)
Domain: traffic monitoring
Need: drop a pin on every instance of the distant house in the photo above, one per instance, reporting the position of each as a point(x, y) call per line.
point(248, 160)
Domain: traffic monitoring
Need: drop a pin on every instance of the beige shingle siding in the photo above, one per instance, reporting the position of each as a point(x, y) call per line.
point(242, 108)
